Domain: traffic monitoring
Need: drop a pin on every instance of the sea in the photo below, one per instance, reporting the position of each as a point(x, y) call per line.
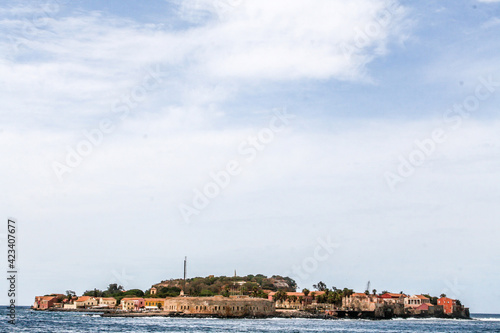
point(40, 321)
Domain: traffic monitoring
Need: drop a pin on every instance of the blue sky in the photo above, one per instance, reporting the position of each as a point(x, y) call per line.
point(372, 125)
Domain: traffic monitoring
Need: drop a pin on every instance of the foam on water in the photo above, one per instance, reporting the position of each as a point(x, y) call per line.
point(38, 322)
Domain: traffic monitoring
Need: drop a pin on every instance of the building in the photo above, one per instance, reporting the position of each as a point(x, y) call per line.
point(449, 305)
point(154, 303)
point(153, 291)
point(391, 298)
point(415, 301)
point(132, 303)
point(44, 302)
point(86, 302)
point(109, 302)
point(425, 308)
point(361, 302)
point(237, 306)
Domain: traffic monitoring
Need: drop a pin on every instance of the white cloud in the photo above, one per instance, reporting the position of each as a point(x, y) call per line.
point(297, 39)
point(89, 59)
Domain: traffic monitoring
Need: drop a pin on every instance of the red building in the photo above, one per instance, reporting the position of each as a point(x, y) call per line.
point(44, 302)
point(448, 304)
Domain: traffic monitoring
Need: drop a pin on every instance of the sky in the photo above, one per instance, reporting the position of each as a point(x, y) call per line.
point(324, 140)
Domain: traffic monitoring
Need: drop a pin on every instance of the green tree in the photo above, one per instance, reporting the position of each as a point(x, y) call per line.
point(70, 294)
point(280, 296)
point(206, 292)
point(305, 291)
point(113, 289)
point(321, 286)
point(94, 293)
point(134, 292)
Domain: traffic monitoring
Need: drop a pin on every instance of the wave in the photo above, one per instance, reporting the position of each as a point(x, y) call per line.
point(487, 319)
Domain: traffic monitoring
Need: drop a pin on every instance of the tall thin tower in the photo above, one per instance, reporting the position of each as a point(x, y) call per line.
point(184, 284)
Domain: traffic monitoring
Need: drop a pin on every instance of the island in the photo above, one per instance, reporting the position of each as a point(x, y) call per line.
point(251, 296)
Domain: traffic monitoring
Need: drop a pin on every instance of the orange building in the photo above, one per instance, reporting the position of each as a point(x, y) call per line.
point(448, 304)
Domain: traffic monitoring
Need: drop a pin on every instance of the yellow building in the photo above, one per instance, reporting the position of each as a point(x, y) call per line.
point(107, 302)
point(154, 303)
point(86, 302)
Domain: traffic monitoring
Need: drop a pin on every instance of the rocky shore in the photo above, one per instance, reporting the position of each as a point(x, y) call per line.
point(277, 314)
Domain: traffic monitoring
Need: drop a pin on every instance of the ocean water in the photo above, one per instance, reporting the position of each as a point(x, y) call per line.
point(36, 321)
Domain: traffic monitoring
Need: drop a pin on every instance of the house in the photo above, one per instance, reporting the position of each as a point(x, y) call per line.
point(154, 303)
point(391, 298)
point(86, 302)
point(109, 302)
point(132, 303)
point(415, 301)
point(425, 308)
point(449, 305)
point(44, 302)
point(70, 303)
point(153, 291)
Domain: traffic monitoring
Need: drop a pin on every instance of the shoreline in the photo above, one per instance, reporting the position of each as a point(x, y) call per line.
point(286, 314)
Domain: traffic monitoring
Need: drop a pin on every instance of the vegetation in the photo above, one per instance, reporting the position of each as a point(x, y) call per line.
point(434, 300)
point(114, 290)
point(321, 286)
point(251, 285)
point(333, 295)
point(163, 292)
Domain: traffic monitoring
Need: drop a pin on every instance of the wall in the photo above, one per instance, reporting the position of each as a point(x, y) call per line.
point(222, 306)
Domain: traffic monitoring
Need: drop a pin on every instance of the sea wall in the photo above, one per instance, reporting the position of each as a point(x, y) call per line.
point(220, 306)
